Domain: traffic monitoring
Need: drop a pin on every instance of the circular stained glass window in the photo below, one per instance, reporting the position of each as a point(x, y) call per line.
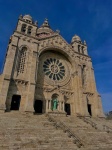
point(54, 69)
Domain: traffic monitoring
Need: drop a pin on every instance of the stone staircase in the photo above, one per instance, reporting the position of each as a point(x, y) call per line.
point(103, 122)
point(24, 131)
point(92, 138)
point(98, 123)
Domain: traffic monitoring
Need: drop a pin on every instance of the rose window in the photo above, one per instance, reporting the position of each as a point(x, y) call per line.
point(54, 69)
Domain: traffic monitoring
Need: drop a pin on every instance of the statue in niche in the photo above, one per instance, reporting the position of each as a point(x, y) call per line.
point(54, 104)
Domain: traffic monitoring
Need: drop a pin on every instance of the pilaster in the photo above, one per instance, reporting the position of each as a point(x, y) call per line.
point(8, 68)
point(4, 92)
point(32, 78)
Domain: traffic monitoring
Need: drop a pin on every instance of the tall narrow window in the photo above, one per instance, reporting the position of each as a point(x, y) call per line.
point(29, 30)
point(83, 73)
point(23, 28)
point(22, 60)
point(79, 48)
point(82, 50)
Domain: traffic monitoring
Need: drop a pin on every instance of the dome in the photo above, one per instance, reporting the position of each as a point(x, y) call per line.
point(27, 17)
point(45, 28)
point(76, 38)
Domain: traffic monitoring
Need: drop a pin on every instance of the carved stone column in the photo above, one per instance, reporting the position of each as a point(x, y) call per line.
point(50, 105)
point(59, 105)
point(46, 105)
point(63, 106)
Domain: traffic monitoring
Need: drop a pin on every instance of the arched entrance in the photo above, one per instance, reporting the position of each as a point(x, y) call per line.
point(15, 103)
point(89, 107)
point(38, 105)
point(67, 109)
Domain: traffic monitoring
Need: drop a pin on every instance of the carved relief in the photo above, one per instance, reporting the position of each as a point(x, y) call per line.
point(74, 74)
point(57, 42)
point(22, 82)
point(67, 93)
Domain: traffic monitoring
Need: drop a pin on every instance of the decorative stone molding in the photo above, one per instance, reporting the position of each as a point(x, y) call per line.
point(88, 94)
point(74, 74)
point(65, 92)
point(22, 82)
point(47, 89)
point(68, 94)
point(43, 36)
point(57, 42)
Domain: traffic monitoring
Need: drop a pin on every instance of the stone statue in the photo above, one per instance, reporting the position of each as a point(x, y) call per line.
point(54, 104)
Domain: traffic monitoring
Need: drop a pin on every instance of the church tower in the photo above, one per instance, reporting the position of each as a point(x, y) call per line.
point(45, 74)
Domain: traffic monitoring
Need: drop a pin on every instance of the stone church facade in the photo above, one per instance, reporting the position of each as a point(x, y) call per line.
point(41, 66)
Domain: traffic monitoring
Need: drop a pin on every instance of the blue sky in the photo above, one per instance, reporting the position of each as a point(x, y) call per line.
point(90, 19)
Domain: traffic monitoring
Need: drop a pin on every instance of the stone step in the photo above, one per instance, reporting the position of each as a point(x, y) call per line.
point(91, 137)
point(22, 131)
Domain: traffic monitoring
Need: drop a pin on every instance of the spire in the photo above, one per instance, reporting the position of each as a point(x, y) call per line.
point(46, 23)
point(85, 42)
point(45, 28)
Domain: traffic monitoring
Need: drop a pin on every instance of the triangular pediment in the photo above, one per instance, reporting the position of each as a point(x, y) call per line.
point(56, 41)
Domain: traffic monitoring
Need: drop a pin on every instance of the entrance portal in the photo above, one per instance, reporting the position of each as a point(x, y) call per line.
point(67, 109)
point(15, 103)
point(89, 109)
point(38, 106)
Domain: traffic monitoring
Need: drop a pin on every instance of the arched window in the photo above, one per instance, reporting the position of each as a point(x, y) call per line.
point(22, 60)
point(29, 30)
point(83, 74)
point(23, 28)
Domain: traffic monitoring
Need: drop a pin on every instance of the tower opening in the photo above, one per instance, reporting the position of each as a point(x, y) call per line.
point(15, 103)
point(89, 109)
point(38, 106)
point(67, 109)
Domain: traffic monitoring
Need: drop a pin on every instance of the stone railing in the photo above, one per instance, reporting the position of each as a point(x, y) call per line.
point(60, 124)
point(94, 125)
point(107, 129)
